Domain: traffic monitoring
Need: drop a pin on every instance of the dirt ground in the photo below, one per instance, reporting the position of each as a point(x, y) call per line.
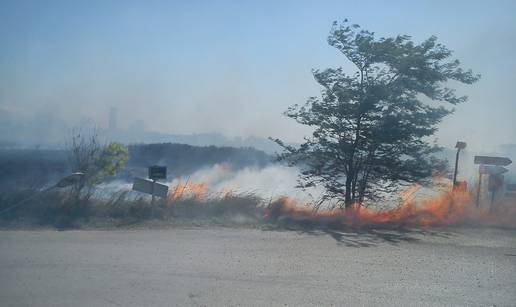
point(214, 266)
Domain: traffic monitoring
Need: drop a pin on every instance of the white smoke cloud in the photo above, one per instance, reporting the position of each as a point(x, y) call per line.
point(271, 181)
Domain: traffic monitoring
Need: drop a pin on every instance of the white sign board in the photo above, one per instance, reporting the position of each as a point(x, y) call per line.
point(149, 187)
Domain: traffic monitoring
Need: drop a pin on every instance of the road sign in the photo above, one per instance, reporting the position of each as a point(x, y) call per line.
point(493, 169)
point(157, 172)
point(150, 187)
point(492, 160)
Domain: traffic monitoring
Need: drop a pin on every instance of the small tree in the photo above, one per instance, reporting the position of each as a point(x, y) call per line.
point(95, 161)
point(370, 127)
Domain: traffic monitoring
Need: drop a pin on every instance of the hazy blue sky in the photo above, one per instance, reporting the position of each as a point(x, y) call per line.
point(234, 66)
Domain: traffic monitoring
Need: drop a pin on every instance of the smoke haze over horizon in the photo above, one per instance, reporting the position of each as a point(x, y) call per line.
point(229, 67)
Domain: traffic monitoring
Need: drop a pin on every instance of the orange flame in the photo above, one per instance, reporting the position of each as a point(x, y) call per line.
point(189, 189)
point(448, 208)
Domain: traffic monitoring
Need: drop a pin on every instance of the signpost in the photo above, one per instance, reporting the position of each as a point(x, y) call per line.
point(492, 160)
point(494, 184)
point(151, 186)
point(157, 172)
point(493, 167)
point(459, 146)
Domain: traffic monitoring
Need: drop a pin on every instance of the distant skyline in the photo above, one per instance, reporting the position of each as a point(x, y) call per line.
point(233, 67)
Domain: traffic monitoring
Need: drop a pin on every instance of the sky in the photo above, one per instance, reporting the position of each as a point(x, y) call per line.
point(234, 67)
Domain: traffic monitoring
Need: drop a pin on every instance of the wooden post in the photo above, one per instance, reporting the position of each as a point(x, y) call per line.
point(456, 166)
point(460, 145)
point(153, 184)
point(479, 185)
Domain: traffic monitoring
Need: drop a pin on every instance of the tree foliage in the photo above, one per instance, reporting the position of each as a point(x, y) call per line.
point(111, 158)
point(88, 156)
point(370, 127)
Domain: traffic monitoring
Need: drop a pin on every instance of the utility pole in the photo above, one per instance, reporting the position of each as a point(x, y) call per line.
point(479, 185)
point(460, 145)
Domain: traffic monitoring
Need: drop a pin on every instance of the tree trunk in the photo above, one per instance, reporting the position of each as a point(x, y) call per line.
point(348, 200)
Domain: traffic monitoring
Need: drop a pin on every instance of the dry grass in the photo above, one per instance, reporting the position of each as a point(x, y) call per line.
point(121, 208)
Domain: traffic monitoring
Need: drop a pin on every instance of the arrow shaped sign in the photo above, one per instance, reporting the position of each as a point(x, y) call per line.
point(149, 187)
point(492, 160)
point(493, 169)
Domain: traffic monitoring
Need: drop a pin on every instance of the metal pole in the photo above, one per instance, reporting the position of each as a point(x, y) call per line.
point(479, 185)
point(456, 167)
point(152, 201)
point(153, 183)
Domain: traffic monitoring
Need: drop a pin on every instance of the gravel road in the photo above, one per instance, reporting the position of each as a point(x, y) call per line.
point(249, 267)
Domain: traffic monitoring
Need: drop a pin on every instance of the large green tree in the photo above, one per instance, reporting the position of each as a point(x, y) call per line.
point(371, 126)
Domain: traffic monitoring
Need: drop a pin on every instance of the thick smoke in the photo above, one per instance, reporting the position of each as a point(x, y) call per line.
point(269, 182)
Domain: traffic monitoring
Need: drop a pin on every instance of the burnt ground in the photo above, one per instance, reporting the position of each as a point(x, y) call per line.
point(214, 266)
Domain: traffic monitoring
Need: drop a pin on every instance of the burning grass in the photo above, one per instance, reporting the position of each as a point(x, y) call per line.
point(449, 208)
point(192, 202)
